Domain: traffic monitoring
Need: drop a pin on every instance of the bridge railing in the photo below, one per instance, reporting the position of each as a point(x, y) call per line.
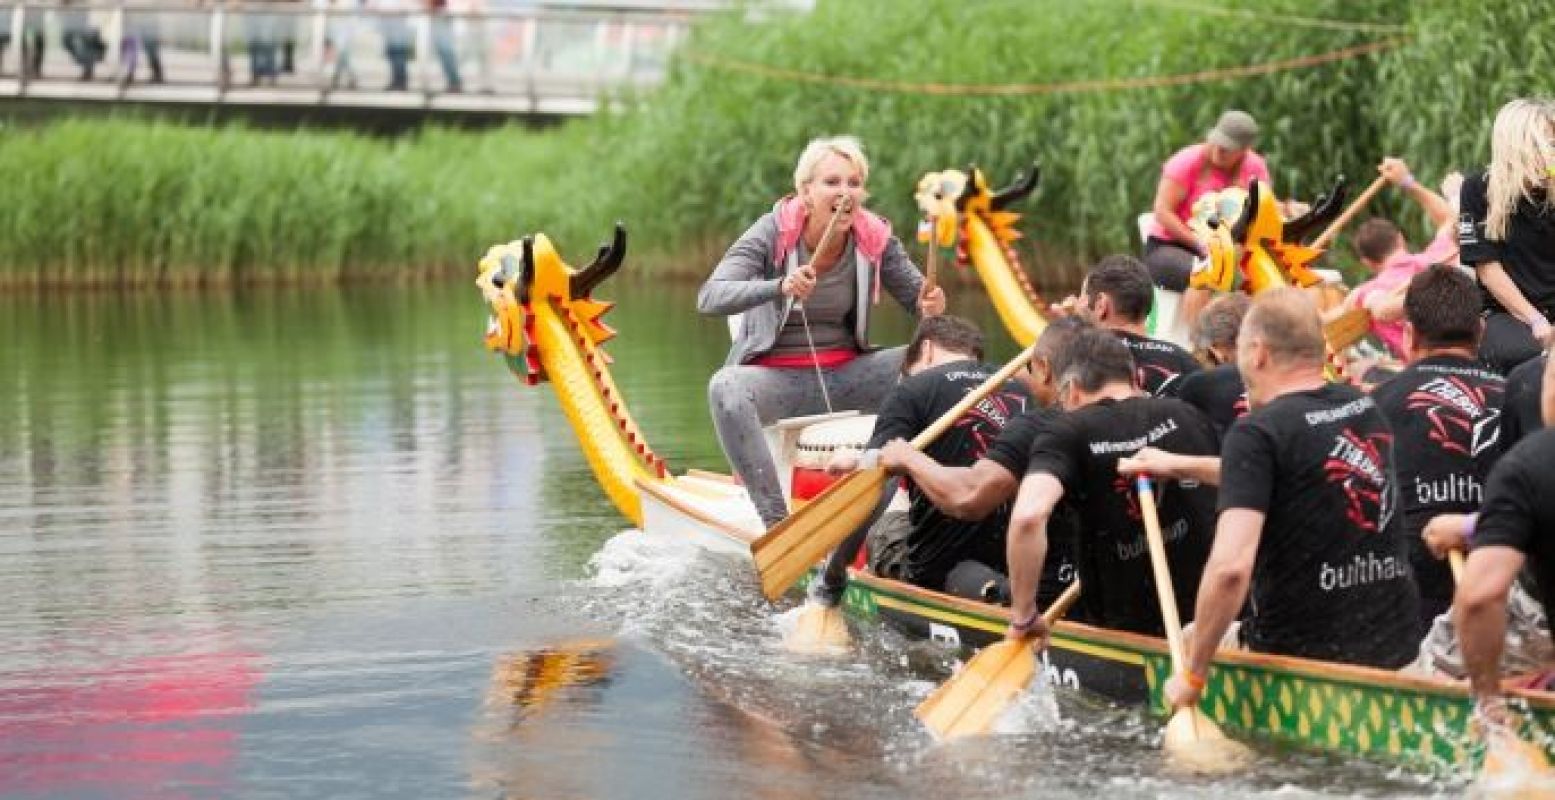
point(536, 59)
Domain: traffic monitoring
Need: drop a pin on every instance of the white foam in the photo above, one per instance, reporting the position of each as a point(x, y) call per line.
point(638, 558)
point(1034, 711)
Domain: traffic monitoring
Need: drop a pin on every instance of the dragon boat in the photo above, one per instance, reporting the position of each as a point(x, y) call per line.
point(547, 327)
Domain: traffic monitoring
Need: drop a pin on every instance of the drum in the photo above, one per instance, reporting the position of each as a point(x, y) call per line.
point(817, 445)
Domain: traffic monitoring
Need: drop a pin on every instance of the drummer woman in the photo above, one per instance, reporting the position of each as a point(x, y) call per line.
point(801, 345)
point(1507, 233)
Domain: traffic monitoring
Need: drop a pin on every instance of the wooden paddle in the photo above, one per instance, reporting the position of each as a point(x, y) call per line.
point(818, 630)
point(1343, 219)
point(1191, 738)
point(792, 546)
point(971, 701)
point(1514, 767)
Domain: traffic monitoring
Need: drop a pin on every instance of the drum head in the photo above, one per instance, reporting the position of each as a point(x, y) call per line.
point(818, 442)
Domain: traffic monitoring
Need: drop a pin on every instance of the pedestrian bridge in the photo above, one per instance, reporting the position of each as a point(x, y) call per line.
point(472, 56)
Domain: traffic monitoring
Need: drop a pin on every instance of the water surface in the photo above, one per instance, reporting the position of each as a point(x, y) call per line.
point(319, 543)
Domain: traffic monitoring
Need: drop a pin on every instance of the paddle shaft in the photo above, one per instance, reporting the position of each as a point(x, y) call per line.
point(1163, 574)
point(1060, 607)
point(1455, 560)
point(1337, 225)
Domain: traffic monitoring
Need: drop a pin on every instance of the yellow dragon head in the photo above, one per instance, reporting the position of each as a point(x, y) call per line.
point(948, 197)
point(514, 277)
point(1259, 246)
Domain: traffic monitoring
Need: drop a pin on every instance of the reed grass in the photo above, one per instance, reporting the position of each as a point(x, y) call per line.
point(688, 166)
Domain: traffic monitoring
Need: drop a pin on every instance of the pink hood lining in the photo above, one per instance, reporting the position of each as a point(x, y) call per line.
point(871, 234)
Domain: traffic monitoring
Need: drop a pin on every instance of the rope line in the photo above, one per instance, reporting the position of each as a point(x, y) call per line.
point(1062, 87)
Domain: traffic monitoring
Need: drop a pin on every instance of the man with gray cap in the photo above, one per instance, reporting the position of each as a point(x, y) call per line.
point(1224, 159)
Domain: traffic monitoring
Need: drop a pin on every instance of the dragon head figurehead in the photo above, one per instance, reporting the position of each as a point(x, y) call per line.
point(1247, 238)
point(949, 197)
point(936, 197)
point(518, 277)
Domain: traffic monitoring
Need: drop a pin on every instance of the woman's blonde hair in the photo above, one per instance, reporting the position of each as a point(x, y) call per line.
point(1521, 142)
point(846, 146)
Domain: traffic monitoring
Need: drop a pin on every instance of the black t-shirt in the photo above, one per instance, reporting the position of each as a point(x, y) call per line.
point(1218, 392)
point(1159, 367)
point(1012, 450)
point(1331, 579)
point(1081, 449)
point(1521, 414)
point(1527, 253)
point(938, 542)
point(1445, 412)
point(1519, 510)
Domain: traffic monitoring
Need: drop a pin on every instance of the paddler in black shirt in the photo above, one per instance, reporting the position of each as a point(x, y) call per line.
point(943, 363)
point(984, 490)
point(1076, 456)
point(1515, 525)
point(1308, 513)
point(1445, 411)
point(1117, 295)
point(1520, 413)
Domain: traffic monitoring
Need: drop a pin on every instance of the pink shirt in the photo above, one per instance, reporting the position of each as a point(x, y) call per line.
point(1190, 169)
point(1397, 271)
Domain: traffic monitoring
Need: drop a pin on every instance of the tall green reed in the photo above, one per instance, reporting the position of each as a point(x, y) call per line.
point(689, 165)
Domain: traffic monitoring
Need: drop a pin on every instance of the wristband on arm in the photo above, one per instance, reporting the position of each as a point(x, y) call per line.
point(1407, 182)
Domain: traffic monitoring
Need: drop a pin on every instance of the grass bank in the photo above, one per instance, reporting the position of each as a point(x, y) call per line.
point(1098, 92)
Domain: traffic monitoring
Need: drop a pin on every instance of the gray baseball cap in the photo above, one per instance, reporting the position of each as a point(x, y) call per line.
point(1236, 130)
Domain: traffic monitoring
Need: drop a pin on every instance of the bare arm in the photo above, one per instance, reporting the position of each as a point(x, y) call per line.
point(1436, 207)
point(1026, 547)
point(967, 493)
point(1386, 306)
point(1501, 287)
point(1223, 588)
point(1479, 614)
point(1168, 195)
point(1161, 464)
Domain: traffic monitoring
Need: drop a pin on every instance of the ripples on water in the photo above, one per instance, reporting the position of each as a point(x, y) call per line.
point(793, 726)
point(320, 544)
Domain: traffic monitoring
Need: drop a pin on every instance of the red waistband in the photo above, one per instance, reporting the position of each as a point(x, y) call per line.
point(825, 359)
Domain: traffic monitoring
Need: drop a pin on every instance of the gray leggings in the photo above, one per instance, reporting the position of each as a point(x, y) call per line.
point(745, 398)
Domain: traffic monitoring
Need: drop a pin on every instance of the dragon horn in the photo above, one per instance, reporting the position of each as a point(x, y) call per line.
point(1249, 211)
point(605, 263)
point(1025, 183)
point(974, 181)
point(526, 270)
point(1325, 209)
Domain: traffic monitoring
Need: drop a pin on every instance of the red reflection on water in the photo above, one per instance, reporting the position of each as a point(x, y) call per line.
point(161, 725)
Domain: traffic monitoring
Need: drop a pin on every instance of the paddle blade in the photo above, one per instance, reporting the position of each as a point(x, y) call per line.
point(1193, 742)
point(971, 701)
point(794, 545)
point(1514, 767)
point(818, 630)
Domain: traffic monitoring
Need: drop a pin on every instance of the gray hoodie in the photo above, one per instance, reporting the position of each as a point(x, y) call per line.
point(747, 282)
